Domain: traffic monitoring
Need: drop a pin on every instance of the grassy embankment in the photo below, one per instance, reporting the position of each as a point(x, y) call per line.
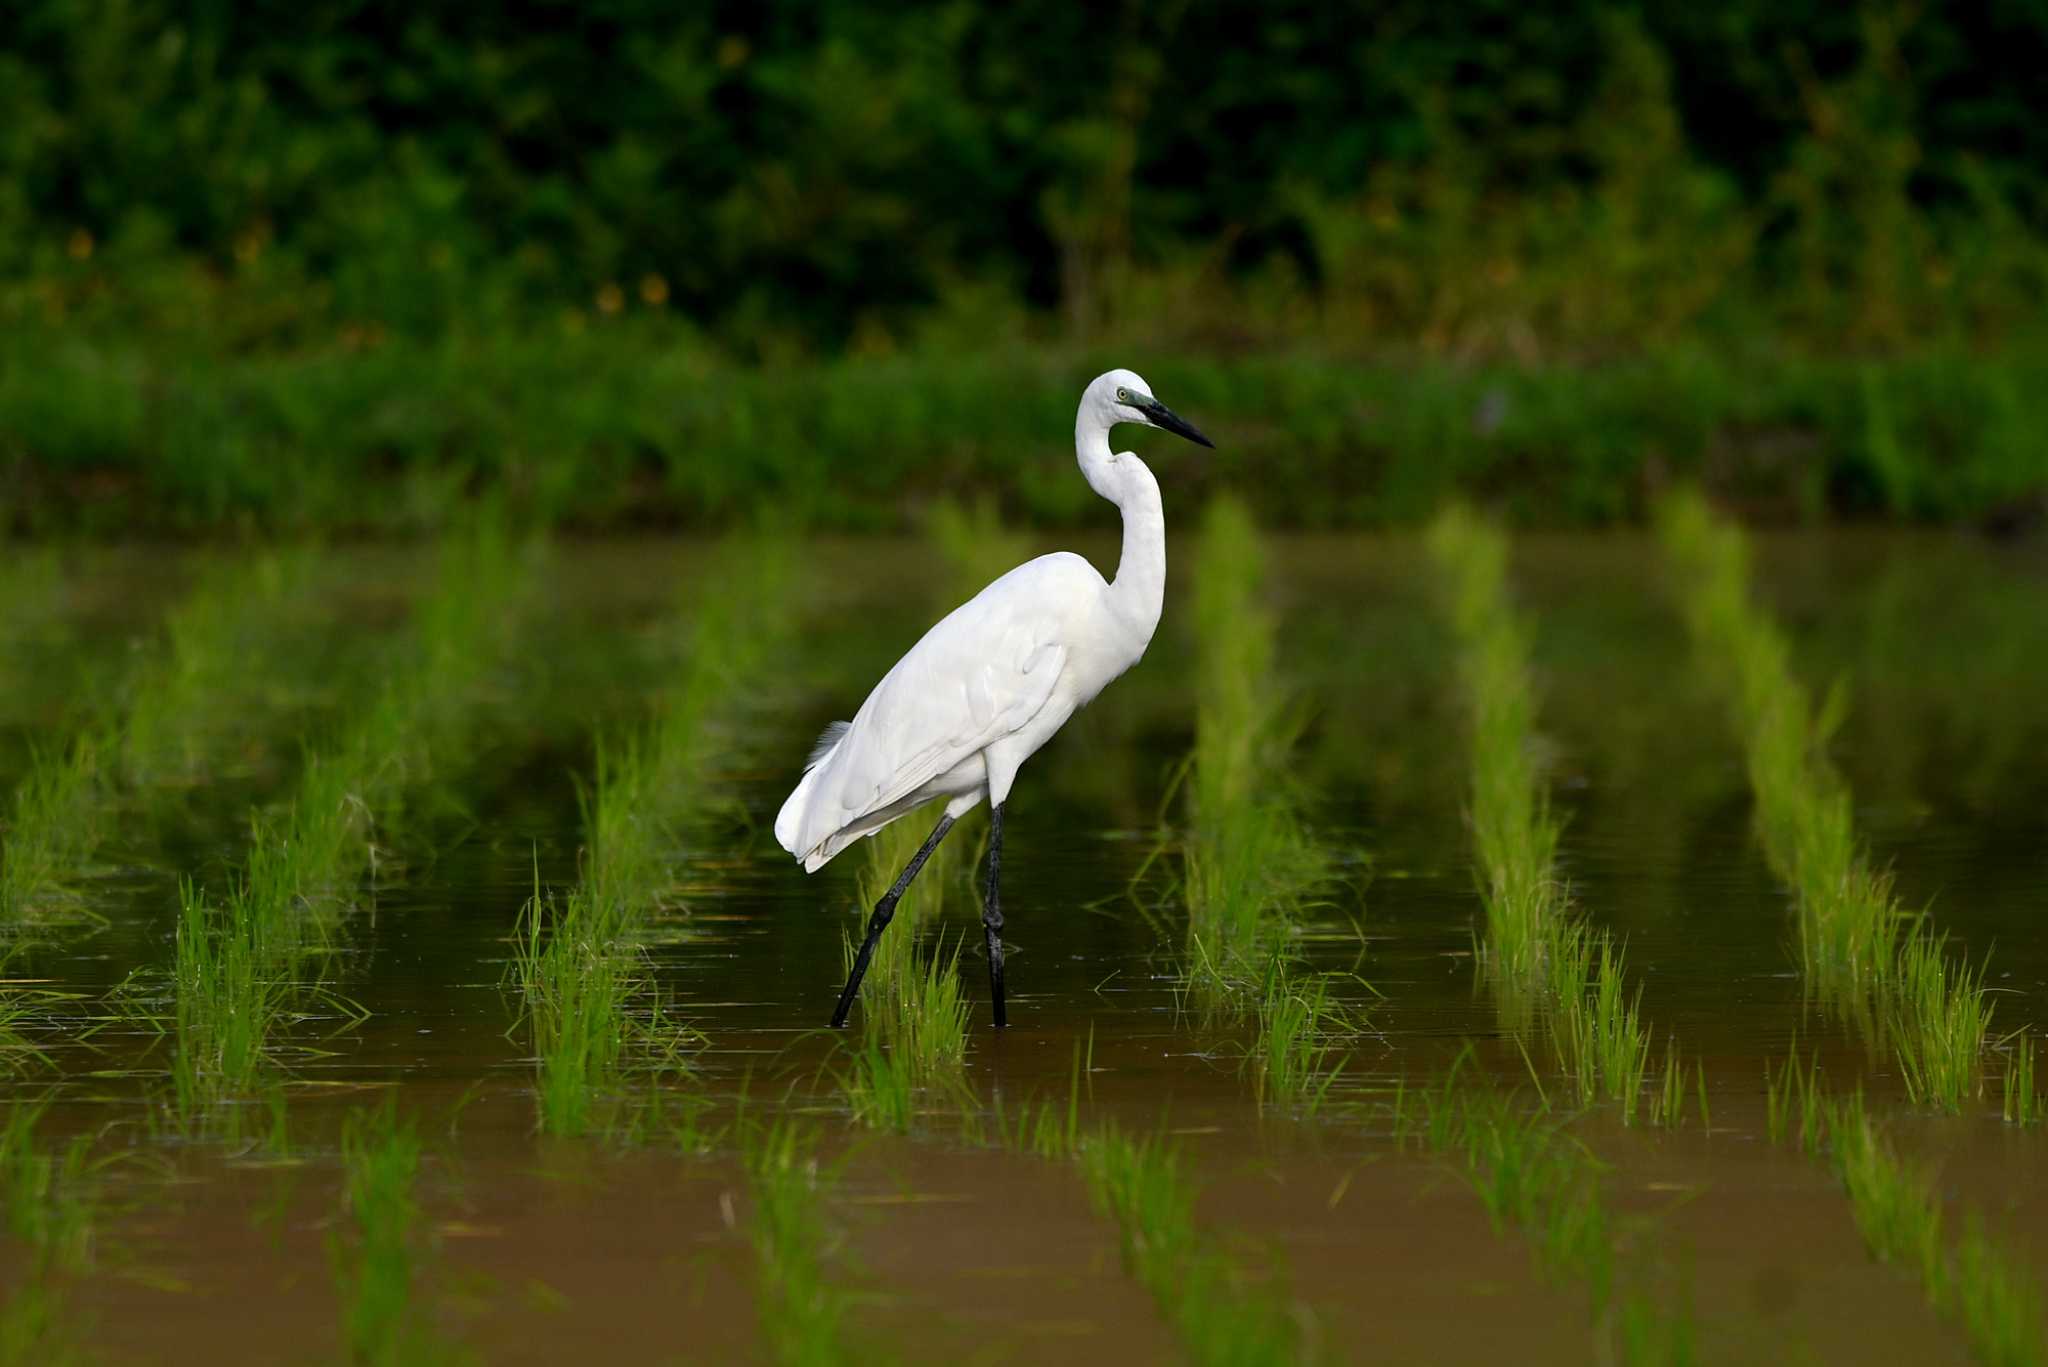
point(1542, 959)
point(615, 427)
point(1862, 953)
point(249, 958)
point(580, 960)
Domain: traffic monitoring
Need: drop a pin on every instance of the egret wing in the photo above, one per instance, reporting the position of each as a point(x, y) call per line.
point(979, 675)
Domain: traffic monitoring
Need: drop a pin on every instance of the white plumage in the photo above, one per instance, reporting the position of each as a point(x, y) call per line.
point(992, 682)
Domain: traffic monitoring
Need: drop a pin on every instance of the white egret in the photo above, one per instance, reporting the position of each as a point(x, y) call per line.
point(957, 716)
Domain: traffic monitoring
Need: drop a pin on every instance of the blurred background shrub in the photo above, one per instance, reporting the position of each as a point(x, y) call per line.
point(251, 253)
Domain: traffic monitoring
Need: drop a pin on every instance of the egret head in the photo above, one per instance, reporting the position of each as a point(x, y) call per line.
point(1123, 396)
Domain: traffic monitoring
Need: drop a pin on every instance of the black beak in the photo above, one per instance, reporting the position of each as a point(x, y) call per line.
point(1162, 416)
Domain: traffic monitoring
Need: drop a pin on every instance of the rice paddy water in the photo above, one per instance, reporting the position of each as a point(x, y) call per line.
point(664, 1151)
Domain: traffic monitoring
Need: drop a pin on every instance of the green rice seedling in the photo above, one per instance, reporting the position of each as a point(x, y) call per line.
point(1860, 948)
point(585, 993)
point(43, 1195)
point(216, 656)
point(1848, 924)
point(1295, 1058)
point(1601, 1042)
point(1647, 1334)
point(1997, 1298)
point(1794, 1093)
point(591, 1007)
point(1048, 1129)
point(25, 1016)
point(2020, 1100)
point(1533, 1177)
point(1538, 952)
point(228, 1000)
point(1220, 1311)
point(1895, 1203)
point(574, 983)
point(913, 1042)
point(53, 827)
point(241, 963)
point(1940, 1018)
point(376, 1265)
point(1667, 1106)
point(1513, 830)
point(802, 1311)
point(1899, 1212)
point(32, 1327)
point(44, 1203)
point(1249, 861)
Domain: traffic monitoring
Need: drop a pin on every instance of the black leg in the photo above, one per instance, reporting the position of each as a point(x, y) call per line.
point(879, 922)
point(992, 911)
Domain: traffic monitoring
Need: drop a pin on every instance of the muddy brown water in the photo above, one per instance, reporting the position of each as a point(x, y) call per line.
point(536, 1249)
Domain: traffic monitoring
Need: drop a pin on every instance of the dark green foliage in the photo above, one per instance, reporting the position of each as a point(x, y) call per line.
point(1539, 256)
point(821, 171)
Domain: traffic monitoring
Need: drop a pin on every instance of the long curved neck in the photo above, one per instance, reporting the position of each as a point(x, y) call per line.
point(1138, 590)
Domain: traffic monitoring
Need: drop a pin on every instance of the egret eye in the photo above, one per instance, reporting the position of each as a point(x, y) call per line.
point(1123, 396)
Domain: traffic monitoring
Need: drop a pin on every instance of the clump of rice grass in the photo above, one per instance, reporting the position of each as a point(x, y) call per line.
point(1667, 1103)
point(1899, 1211)
point(913, 1045)
point(1532, 1176)
point(1513, 830)
point(376, 1265)
point(1862, 952)
point(1997, 1298)
point(228, 1000)
point(1049, 1129)
point(913, 1048)
point(212, 640)
point(580, 965)
point(44, 1203)
point(1600, 1040)
point(44, 1198)
point(591, 1005)
point(215, 640)
point(1221, 1311)
point(1249, 861)
point(1295, 1053)
point(1895, 1203)
point(2020, 1099)
point(803, 1311)
point(24, 1018)
point(241, 961)
point(1940, 1019)
point(1991, 1293)
point(1525, 1170)
point(1540, 956)
point(1794, 1092)
point(53, 827)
